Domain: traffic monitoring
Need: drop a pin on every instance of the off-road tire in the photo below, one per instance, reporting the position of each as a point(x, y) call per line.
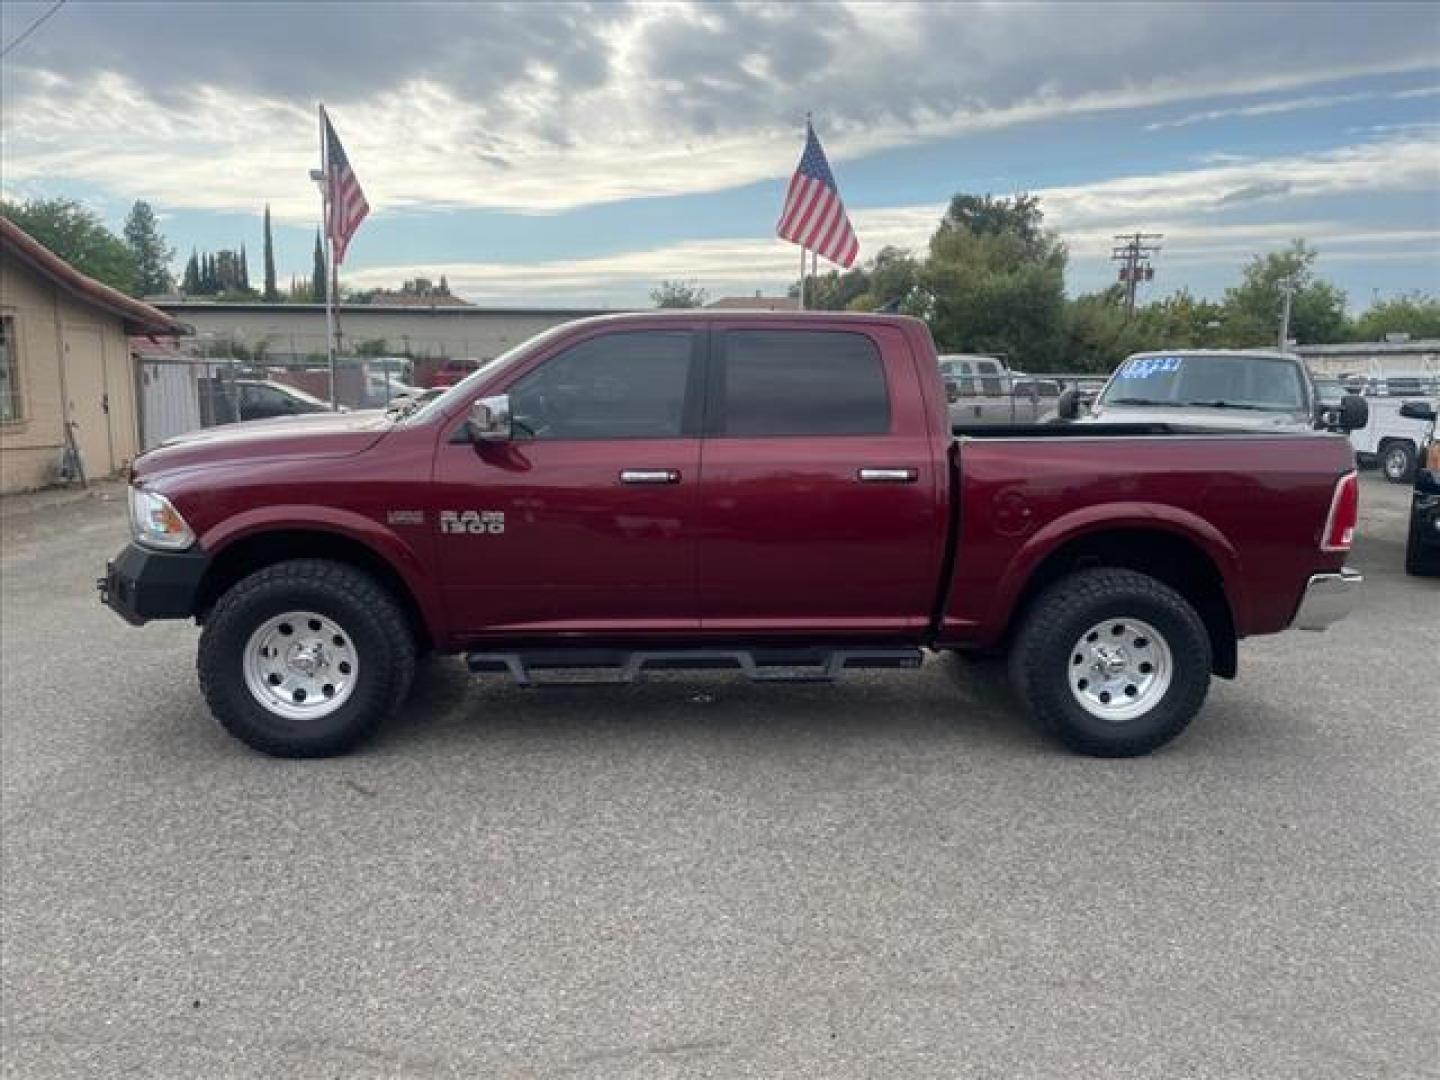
point(1043, 651)
point(377, 626)
point(1397, 462)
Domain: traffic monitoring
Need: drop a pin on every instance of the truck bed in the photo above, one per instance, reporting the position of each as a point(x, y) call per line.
point(1093, 431)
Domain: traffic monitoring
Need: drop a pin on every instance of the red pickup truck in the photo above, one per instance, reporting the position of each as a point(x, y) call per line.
point(783, 494)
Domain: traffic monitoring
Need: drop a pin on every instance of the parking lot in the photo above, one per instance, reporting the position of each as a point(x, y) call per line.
point(701, 877)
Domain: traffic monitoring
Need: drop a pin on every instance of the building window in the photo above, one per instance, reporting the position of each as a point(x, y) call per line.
point(12, 406)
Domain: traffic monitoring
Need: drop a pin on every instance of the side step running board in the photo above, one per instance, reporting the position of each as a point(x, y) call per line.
point(606, 667)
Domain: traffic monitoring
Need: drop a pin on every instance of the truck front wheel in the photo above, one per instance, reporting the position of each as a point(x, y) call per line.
point(305, 658)
point(1114, 663)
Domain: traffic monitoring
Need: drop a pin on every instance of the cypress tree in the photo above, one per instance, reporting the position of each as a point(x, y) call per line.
point(152, 255)
point(317, 275)
point(271, 293)
point(191, 283)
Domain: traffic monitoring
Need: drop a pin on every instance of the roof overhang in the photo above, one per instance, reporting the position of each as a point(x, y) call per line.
point(138, 316)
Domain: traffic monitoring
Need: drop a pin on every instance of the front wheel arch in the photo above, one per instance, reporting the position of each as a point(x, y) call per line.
point(259, 550)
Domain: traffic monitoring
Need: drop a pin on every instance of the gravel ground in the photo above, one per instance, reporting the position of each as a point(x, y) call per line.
point(700, 877)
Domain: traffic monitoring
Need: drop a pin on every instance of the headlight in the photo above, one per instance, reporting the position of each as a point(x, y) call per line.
point(155, 523)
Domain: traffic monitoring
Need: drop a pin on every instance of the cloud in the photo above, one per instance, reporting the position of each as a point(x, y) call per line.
point(541, 108)
point(1264, 108)
point(739, 267)
point(1407, 163)
point(1187, 206)
point(1265, 189)
point(1289, 105)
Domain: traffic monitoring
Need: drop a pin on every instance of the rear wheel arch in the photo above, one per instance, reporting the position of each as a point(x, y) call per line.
point(258, 550)
point(1167, 556)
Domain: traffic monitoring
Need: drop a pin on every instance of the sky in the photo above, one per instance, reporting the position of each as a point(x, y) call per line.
point(563, 155)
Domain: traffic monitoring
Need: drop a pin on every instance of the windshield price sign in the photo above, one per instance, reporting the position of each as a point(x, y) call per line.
point(1142, 367)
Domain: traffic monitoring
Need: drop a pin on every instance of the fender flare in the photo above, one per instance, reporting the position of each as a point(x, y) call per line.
point(383, 543)
point(1103, 517)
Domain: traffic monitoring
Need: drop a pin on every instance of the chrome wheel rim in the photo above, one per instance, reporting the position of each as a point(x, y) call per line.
point(1395, 464)
point(301, 665)
point(1120, 669)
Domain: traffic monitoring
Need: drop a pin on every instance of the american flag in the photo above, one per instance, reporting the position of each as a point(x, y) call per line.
point(814, 217)
point(344, 201)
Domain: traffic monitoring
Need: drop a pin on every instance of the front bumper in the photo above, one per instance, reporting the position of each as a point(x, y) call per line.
point(141, 584)
point(1328, 598)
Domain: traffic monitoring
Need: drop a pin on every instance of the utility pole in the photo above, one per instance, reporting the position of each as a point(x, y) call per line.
point(1287, 288)
point(1134, 259)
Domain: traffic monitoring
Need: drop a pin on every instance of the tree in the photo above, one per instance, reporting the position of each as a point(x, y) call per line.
point(888, 280)
point(78, 236)
point(1416, 314)
point(271, 294)
point(317, 275)
point(1018, 220)
point(833, 290)
point(892, 280)
point(190, 283)
point(678, 294)
point(1252, 308)
point(995, 282)
point(148, 248)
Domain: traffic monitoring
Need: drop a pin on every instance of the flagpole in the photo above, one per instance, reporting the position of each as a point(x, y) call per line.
point(330, 333)
point(802, 279)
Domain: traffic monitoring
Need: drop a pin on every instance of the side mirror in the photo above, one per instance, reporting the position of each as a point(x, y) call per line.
point(1067, 406)
point(489, 419)
point(1354, 413)
point(1417, 410)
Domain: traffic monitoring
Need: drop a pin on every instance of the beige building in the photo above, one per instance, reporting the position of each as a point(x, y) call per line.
point(64, 362)
point(296, 331)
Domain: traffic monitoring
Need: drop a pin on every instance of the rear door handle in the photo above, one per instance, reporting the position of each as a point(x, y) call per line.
point(888, 476)
point(649, 476)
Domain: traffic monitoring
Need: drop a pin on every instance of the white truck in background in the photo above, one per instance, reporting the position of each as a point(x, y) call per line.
point(982, 389)
point(1391, 441)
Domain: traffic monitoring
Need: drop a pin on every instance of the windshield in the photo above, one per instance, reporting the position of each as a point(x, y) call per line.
point(1241, 382)
point(442, 403)
point(297, 393)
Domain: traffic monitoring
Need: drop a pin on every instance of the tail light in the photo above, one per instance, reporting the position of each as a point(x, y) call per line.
point(1344, 514)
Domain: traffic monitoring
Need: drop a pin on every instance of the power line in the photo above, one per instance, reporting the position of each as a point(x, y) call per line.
point(1134, 259)
point(32, 28)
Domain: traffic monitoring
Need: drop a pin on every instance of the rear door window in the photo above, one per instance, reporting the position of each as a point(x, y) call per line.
point(798, 382)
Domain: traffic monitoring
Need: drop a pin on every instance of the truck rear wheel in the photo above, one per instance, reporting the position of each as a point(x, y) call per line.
point(305, 658)
point(1112, 662)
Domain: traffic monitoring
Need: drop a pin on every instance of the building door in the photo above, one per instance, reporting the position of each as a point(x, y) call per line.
point(87, 404)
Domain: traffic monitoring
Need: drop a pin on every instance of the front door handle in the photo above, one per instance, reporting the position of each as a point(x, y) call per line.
point(888, 476)
point(649, 476)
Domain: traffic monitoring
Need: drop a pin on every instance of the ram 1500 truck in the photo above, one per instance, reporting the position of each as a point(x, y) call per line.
point(779, 493)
